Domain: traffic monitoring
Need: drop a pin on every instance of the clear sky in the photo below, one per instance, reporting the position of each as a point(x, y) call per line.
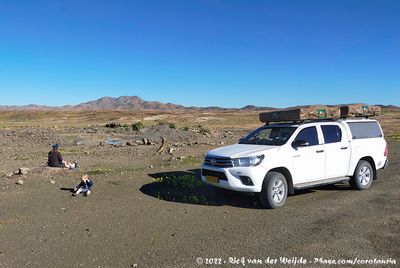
point(228, 53)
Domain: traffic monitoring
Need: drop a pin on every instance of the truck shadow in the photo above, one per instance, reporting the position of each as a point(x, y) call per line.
point(187, 187)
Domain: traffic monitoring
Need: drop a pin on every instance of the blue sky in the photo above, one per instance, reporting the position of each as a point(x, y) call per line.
point(213, 52)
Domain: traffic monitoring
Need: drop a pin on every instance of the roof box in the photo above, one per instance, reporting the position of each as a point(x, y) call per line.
point(359, 110)
point(303, 113)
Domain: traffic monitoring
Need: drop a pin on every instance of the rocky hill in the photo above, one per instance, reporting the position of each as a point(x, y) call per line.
point(135, 103)
point(126, 103)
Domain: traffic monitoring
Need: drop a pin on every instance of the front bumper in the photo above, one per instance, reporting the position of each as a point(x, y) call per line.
point(229, 178)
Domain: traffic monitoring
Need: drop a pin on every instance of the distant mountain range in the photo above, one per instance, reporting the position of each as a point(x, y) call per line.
point(135, 103)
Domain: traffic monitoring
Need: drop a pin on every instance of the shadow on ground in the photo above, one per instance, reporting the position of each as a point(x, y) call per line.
point(71, 190)
point(187, 187)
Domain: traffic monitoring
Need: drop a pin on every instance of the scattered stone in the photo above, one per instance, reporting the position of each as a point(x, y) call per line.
point(20, 182)
point(151, 166)
point(181, 157)
point(170, 150)
point(79, 142)
point(128, 143)
point(23, 171)
point(52, 181)
point(102, 143)
point(10, 174)
point(145, 141)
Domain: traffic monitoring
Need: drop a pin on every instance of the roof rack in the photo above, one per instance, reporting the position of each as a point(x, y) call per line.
point(319, 113)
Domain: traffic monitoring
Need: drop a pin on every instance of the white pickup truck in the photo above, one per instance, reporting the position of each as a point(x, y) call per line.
point(276, 159)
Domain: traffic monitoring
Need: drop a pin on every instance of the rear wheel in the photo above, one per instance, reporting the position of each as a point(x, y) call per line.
point(363, 176)
point(274, 190)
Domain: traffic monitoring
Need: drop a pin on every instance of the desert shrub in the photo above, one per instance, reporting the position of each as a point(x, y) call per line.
point(395, 137)
point(172, 125)
point(137, 126)
point(203, 130)
point(113, 125)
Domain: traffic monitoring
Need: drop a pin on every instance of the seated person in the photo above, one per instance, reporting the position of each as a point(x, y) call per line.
point(55, 159)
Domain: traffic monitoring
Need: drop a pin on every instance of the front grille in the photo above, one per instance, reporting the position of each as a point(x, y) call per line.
point(219, 175)
point(218, 161)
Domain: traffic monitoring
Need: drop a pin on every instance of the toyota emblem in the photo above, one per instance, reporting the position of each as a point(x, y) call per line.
point(213, 162)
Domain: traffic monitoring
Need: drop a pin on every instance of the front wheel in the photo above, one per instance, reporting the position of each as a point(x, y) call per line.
point(363, 176)
point(274, 190)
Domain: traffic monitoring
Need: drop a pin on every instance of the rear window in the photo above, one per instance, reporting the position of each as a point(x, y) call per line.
point(365, 130)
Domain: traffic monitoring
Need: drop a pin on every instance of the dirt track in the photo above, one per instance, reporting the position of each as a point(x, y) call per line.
point(126, 222)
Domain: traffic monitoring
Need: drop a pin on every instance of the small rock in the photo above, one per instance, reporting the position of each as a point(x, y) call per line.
point(102, 143)
point(181, 157)
point(151, 166)
point(145, 141)
point(52, 181)
point(128, 143)
point(170, 150)
point(79, 142)
point(20, 182)
point(10, 174)
point(23, 171)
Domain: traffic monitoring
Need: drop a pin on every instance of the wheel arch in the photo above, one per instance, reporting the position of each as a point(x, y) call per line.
point(287, 175)
point(371, 161)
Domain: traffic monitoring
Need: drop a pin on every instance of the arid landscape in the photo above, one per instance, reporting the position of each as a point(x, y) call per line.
point(148, 207)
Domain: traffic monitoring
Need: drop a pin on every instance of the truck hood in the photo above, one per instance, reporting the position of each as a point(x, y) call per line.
point(240, 150)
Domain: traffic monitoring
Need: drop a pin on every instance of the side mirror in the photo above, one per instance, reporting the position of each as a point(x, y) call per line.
point(300, 143)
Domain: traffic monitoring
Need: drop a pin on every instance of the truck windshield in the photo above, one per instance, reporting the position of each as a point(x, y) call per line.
point(269, 135)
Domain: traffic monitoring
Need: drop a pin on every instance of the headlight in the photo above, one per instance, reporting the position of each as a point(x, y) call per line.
point(248, 161)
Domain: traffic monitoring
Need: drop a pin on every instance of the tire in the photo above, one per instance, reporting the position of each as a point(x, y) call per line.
point(274, 190)
point(363, 176)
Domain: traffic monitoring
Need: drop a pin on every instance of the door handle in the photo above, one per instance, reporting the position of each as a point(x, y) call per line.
point(344, 148)
point(319, 151)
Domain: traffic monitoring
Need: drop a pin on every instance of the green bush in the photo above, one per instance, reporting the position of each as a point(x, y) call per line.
point(137, 126)
point(172, 125)
point(203, 130)
point(181, 182)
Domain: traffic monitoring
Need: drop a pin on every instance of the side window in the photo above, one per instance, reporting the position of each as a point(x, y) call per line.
point(332, 133)
point(365, 130)
point(309, 135)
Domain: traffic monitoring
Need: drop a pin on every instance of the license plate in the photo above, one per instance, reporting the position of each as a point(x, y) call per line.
point(212, 179)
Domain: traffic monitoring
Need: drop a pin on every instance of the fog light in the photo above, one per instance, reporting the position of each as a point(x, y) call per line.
point(246, 180)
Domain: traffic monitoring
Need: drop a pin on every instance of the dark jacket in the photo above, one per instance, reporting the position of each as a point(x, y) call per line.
point(55, 159)
point(85, 184)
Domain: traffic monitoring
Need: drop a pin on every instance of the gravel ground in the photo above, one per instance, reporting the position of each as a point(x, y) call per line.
point(133, 220)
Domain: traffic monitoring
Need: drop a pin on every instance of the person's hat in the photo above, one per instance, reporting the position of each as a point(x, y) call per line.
point(55, 146)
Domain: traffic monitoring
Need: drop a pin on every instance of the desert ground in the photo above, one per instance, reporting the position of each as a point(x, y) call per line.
point(148, 209)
